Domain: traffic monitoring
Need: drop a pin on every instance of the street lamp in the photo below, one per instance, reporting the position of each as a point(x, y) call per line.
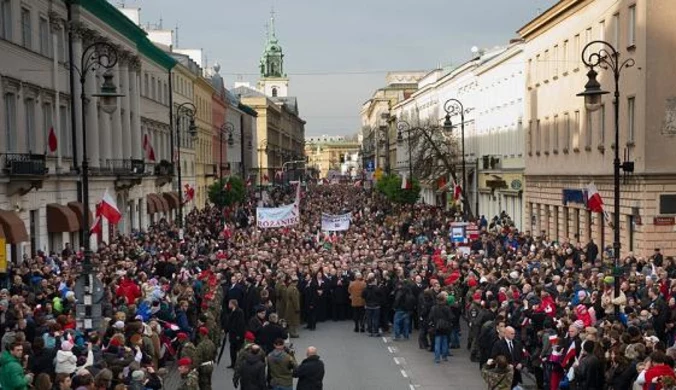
point(95, 56)
point(188, 110)
point(403, 126)
point(384, 142)
point(454, 107)
point(229, 129)
point(608, 58)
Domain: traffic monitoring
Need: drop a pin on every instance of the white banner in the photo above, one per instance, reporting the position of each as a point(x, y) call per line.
point(336, 223)
point(273, 217)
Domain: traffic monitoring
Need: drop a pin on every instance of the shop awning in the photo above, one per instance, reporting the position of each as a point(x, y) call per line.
point(13, 227)
point(172, 199)
point(61, 219)
point(78, 209)
point(162, 205)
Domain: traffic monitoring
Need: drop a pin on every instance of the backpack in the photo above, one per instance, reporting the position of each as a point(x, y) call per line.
point(409, 301)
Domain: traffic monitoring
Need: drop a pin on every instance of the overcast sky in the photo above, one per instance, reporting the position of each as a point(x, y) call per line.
point(337, 52)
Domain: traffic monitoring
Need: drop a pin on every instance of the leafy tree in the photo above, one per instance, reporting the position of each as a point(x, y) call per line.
point(221, 196)
point(390, 186)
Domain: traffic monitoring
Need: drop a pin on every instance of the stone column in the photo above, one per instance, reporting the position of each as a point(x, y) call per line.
point(135, 101)
point(104, 138)
point(126, 119)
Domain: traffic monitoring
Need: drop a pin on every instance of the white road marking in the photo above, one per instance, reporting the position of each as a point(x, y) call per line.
point(411, 387)
point(403, 373)
point(390, 349)
point(384, 339)
point(396, 361)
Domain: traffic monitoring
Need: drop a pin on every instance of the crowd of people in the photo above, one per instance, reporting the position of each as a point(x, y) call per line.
point(533, 307)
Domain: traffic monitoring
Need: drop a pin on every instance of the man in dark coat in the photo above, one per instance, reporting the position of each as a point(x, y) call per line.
point(310, 373)
point(270, 332)
point(236, 329)
point(512, 349)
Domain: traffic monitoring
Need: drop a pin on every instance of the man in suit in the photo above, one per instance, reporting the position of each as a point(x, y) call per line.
point(236, 329)
point(512, 349)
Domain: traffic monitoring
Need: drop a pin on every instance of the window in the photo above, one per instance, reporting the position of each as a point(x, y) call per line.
point(567, 135)
point(616, 30)
point(60, 46)
point(538, 69)
point(10, 122)
point(154, 89)
point(538, 137)
point(631, 119)
point(564, 60)
point(29, 107)
point(530, 137)
point(631, 31)
point(576, 51)
point(555, 61)
point(546, 135)
point(146, 86)
point(26, 28)
point(6, 19)
point(274, 92)
point(602, 30)
point(588, 35)
point(602, 126)
point(44, 38)
point(546, 65)
point(588, 130)
point(65, 136)
point(555, 133)
point(576, 132)
point(530, 71)
point(668, 204)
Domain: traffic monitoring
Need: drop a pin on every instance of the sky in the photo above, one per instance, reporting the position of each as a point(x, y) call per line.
point(338, 52)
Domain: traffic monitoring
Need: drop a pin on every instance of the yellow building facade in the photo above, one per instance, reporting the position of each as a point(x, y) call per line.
point(205, 170)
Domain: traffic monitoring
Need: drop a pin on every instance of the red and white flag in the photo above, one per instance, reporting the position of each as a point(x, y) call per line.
point(227, 233)
point(97, 227)
point(248, 182)
point(188, 194)
point(227, 186)
point(457, 191)
point(570, 355)
point(406, 183)
point(279, 173)
point(148, 148)
point(595, 201)
point(109, 210)
point(52, 141)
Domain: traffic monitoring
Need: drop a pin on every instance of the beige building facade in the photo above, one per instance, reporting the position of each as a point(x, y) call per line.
point(568, 147)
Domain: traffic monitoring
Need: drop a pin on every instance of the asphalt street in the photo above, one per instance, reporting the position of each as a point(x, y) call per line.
point(355, 361)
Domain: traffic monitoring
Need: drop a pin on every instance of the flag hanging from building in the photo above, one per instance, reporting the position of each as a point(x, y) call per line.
point(457, 191)
point(52, 141)
point(406, 182)
point(188, 193)
point(148, 148)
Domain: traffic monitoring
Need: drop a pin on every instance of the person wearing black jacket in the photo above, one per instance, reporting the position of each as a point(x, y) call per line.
point(270, 332)
point(589, 373)
point(310, 372)
point(373, 297)
point(236, 329)
point(441, 320)
point(512, 349)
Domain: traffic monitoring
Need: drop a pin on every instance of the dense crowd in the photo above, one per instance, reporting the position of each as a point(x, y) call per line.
point(533, 307)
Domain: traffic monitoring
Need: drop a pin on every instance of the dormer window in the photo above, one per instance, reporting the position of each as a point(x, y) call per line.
point(274, 91)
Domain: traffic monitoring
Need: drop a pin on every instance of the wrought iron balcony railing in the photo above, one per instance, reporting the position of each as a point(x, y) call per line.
point(25, 164)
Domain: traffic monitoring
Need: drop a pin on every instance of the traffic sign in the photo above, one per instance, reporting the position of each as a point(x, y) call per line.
point(370, 166)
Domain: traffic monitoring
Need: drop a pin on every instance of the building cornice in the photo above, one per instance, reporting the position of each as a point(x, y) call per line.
point(550, 17)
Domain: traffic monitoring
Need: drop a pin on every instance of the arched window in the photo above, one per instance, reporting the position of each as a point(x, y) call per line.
point(274, 91)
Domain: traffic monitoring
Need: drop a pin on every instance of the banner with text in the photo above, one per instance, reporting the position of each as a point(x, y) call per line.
point(336, 223)
point(273, 217)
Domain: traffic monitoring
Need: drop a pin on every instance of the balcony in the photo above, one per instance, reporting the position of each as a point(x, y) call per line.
point(120, 167)
point(163, 172)
point(26, 171)
point(25, 164)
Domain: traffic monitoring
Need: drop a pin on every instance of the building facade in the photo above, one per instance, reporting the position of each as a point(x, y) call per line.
point(42, 144)
point(205, 170)
point(568, 147)
point(327, 153)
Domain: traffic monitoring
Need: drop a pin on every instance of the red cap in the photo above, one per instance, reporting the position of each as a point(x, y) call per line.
point(184, 362)
point(472, 282)
point(204, 330)
point(182, 336)
point(248, 336)
point(115, 342)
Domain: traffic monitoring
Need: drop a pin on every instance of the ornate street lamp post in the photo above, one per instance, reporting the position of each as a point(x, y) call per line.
point(403, 126)
point(607, 57)
point(184, 110)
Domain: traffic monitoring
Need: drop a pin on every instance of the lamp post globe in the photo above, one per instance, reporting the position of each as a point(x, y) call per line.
point(592, 92)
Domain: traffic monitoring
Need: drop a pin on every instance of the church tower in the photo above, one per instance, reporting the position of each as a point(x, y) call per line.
point(273, 81)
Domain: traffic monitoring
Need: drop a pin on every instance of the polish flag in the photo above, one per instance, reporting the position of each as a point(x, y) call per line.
point(109, 209)
point(148, 148)
point(52, 141)
point(227, 233)
point(97, 227)
point(248, 182)
point(595, 202)
point(570, 354)
point(405, 183)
